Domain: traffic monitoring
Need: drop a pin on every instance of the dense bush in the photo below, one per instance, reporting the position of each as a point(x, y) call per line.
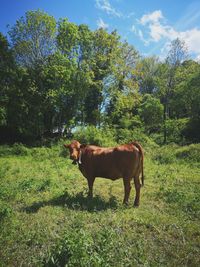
point(172, 153)
point(127, 136)
point(189, 153)
point(151, 112)
point(165, 154)
point(175, 129)
point(16, 149)
point(111, 137)
point(95, 136)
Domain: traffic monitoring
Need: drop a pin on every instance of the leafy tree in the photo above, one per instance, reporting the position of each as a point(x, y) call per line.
point(151, 112)
point(33, 37)
point(102, 59)
point(166, 76)
point(180, 102)
point(123, 86)
point(178, 53)
point(192, 98)
point(67, 38)
point(147, 75)
point(67, 75)
point(59, 100)
point(7, 78)
point(4, 62)
point(75, 43)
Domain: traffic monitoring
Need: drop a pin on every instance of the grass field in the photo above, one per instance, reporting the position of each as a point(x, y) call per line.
point(47, 220)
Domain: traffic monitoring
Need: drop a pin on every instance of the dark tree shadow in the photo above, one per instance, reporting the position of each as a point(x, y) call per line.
point(75, 202)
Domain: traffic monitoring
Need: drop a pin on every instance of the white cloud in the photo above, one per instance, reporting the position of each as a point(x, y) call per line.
point(157, 30)
point(153, 17)
point(192, 39)
point(102, 24)
point(106, 6)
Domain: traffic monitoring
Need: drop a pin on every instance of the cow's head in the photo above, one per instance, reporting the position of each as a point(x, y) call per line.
point(74, 150)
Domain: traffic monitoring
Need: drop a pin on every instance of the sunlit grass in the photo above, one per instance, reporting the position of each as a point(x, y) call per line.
point(47, 220)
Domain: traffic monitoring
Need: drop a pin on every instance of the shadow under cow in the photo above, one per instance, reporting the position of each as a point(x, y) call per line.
point(75, 202)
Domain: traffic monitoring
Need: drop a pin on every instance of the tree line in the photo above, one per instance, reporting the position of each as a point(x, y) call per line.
point(56, 76)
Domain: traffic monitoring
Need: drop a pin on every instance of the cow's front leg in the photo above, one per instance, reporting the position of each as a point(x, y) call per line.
point(90, 186)
point(127, 189)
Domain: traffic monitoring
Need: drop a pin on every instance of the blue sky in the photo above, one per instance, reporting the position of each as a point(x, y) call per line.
point(149, 25)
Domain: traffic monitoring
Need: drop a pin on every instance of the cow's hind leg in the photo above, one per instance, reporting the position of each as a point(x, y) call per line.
point(127, 189)
point(137, 189)
point(90, 186)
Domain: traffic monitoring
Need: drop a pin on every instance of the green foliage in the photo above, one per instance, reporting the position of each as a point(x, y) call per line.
point(151, 112)
point(110, 137)
point(67, 37)
point(33, 37)
point(175, 129)
point(6, 77)
point(16, 149)
point(189, 153)
point(95, 136)
point(19, 149)
point(127, 136)
point(172, 153)
point(56, 75)
point(165, 155)
point(148, 68)
point(130, 122)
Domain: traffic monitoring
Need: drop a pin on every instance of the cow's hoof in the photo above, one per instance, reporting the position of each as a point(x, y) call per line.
point(136, 205)
point(125, 203)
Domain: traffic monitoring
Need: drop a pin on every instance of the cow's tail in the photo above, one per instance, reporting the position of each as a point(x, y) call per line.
point(139, 147)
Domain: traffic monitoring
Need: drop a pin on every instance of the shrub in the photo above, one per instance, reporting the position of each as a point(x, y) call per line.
point(151, 112)
point(171, 153)
point(175, 129)
point(16, 149)
point(95, 136)
point(20, 150)
point(189, 153)
point(127, 136)
point(192, 130)
point(5, 151)
point(129, 121)
point(165, 154)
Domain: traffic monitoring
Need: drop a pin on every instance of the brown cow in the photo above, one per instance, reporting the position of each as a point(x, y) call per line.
point(124, 161)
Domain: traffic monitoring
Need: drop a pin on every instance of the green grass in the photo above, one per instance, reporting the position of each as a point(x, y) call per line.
point(47, 220)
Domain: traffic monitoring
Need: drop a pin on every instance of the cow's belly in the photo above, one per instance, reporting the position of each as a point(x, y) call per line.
point(111, 177)
point(108, 174)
